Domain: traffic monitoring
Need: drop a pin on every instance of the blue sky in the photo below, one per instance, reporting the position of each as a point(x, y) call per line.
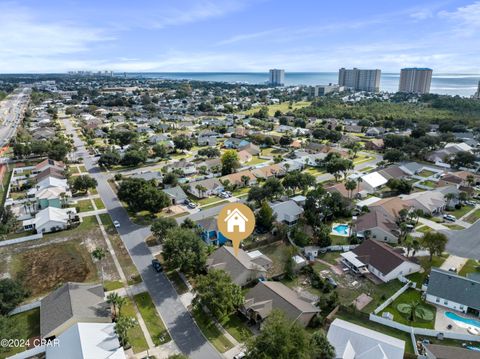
point(235, 35)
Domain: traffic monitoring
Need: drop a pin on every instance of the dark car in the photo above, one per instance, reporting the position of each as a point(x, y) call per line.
point(156, 265)
point(332, 282)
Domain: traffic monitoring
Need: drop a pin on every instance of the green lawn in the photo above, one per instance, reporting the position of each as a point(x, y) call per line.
point(418, 277)
point(215, 204)
point(454, 227)
point(255, 161)
point(471, 266)
point(73, 169)
point(410, 296)
point(135, 335)
point(28, 325)
point(429, 184)
point(154, 323)
point(278, 253)
point(82, 168)
point(121, 252)
point(109, 285)
point(473, 217)
point(211, 332)
point(330, 257)
point(338, 240)
point(364, 322)
point(240, 191)
point(362, 159)
point(237, 328)
point(314, 171)
point(461, 211)
point(85, 205)
point(270, 152)
point(424, 229)
point(426, 173)
point(99, 203)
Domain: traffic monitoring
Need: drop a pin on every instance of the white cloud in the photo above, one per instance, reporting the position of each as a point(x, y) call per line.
point(466, 18)
point(422, 14)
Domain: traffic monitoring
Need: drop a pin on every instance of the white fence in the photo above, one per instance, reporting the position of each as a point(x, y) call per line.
point(423, 331)
point(21, 239)
point(392, 298)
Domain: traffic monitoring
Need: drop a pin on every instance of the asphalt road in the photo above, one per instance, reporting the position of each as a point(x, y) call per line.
point(464, 243)
point(183, 329)
point(11, 111)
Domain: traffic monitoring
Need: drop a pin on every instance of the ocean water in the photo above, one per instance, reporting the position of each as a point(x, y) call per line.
point(449, 84)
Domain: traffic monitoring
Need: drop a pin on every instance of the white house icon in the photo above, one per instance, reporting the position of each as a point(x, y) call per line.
point(235, 218)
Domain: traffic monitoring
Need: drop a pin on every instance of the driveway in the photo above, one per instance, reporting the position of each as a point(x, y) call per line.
point(180, 324)
point(464, 243)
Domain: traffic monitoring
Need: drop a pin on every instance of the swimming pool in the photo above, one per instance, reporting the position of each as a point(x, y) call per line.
point(458, 318)
point(341, 229)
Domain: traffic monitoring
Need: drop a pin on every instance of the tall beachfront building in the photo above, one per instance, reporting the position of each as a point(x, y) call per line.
point(477, 94)
point(415, 80)
point(277, 77)
point(360, 80)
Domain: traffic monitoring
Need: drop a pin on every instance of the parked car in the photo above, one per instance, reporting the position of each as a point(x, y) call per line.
point(116, 224)
point(470, 203)
point(240, 355)
point(449, 217)
point(452, 269)
point(157, 266)
point(192, 205)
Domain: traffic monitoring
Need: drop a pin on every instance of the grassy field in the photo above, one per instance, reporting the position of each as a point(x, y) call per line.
point(418, 277)
point(237, 328)
point(270, 152)
point(82, 168)
point(5, 181)
point(99, 203)
point(473, 217)
point(426, 173)
point(429, 184)
point(314, 171)
point(121, 252)
point(154, 323)
point(454, 227)
point(211, 332)
point(410, 296)
point(135, 334)
point(472, 266)
point(109, 285)
point(362, 159)
point(215, 204)
point(278, 253)
point(283, 107)
point(28, 325)
point(85, 205)
point(255, 161)
point(461, 211)
point(330, 257)
point(42, 269)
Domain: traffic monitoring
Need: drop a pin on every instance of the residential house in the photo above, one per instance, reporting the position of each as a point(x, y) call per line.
point(373, 181)
point(375, 132)
point(50, 219)
point(51, 197)
point(49, 172)
point(453, 291)
point(70, 304)
point(205, 188)
point(288, 212)
point(251, 148)
point(210, 233)
point(207, 141)
point(267, 296)
point(87, 340)
point(377, 224)
point(235, 143)
point(354, 341)
point(159, 138)
point(242, 178)
point(275, 170)
point(59, 166)
point(241, 268)
point(375, 144)
point(383, 261)
point(430, 202)
point(176, 195)
point(244, 156)
point(437, 351)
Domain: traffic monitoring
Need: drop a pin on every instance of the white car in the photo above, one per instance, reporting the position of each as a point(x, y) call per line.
point(116, 224)
point(449, 217)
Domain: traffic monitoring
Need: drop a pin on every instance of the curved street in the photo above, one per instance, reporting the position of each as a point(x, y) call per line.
point(464, 243)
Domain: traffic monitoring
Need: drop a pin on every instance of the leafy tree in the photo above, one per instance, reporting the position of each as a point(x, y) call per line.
point(9, 328)
point(170, 179)
point(122, 138)
point(279, 338)
point(210, 152)
point(463, 159)
point(117, 302)
point(322, 235)
point(141, 195)
point(272, 188)
point(109, 158)
point(183, 142)
point(435, 242)
point(214, 285)
point(265, 217)
point(185, 250)
point(12, 293)
point(230, 162)
point(285, 140)
point(262, 113)
point(289, 268)
point(160, 150)
point(321, 347)
point(122, 326)
point(400, 186)
point(134, 157)
point(393, 155)
point(161, 226)
point(298, 180)
point(177, 356)
point(83, 183)
point(98, 253)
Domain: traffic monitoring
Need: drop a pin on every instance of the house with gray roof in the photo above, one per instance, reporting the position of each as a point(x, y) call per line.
point(267, 296)
point(288, 211)
point(70, 304)
point(176, 195)
point(242, 268)
point(453, 291)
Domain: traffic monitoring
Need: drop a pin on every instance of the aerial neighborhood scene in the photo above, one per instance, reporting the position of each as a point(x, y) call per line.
point(193, 180)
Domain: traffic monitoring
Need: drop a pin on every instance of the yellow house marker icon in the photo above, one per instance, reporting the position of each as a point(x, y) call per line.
point(236, 222)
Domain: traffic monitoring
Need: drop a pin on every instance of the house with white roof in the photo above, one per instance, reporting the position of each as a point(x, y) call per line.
point(50, 219)
point(373, 181)
point(352, 341)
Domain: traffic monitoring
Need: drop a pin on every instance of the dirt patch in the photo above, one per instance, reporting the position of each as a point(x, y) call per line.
point(44, 269)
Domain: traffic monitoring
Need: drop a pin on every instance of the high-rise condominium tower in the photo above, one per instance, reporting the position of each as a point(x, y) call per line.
point(360, 80)
point(277, 77)
point(415, 80)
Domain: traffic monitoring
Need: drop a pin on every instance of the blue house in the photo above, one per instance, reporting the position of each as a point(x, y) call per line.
point(210, 233)
point(235, 143)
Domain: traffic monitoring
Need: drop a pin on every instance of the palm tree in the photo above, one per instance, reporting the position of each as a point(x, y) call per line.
point(450, 197)
point(245, 180)
point(470, 180)
point(359, 180)
point(350, 185)
point(113, 299)
point(122, 326)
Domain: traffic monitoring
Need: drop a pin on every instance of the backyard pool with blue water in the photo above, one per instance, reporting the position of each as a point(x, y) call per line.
point(341, 229)
point(469, 321)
